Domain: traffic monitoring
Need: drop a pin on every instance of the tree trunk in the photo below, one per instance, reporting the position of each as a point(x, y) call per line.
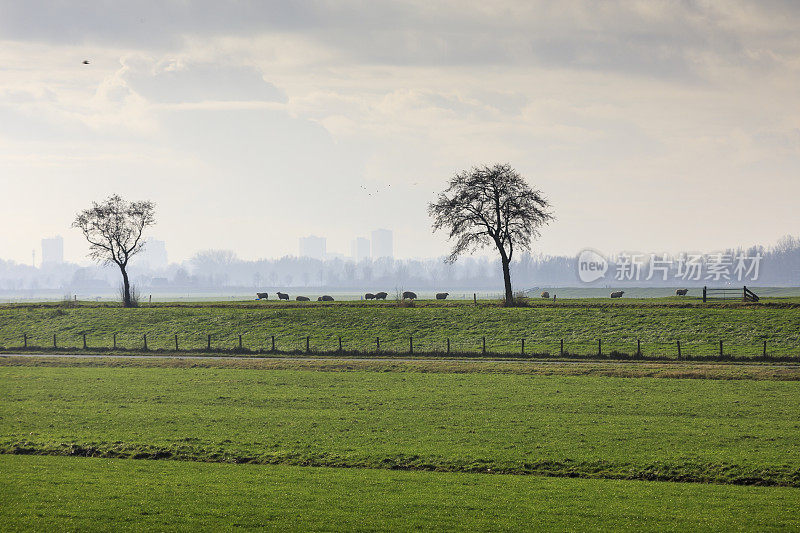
point(126, 288)
point(507, 281)
point(507, 278)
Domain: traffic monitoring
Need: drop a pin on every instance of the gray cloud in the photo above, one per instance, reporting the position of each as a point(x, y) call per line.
point(665, 39)
point(176, 83)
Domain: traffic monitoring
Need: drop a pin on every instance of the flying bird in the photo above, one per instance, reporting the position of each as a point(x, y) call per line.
point(85, 61)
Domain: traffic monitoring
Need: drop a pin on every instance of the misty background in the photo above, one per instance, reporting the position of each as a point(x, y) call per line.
point(210, 273)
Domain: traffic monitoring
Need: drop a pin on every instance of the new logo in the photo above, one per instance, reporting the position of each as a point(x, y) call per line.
point(591, 266)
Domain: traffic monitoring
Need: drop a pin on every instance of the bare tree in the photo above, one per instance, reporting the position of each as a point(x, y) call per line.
point(490, 205)
point(114, 230)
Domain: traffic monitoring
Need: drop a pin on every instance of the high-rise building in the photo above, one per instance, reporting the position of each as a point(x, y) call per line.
point(154, 254)
point(313, 247)
point(53, 250)
point(359, 249)
point(382, 245)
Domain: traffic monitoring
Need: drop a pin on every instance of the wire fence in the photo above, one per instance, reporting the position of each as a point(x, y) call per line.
point(255, 343)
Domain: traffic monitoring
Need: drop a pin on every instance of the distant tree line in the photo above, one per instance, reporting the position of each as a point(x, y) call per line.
point(217, 269)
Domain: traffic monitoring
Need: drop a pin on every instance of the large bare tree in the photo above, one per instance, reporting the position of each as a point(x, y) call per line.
point(487, 206)
point(114, 230)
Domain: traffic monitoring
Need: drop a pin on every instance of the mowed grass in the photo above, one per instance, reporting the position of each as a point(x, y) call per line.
point(61, 493)
point(738, 432)
point(640, 369)
point(743, 329)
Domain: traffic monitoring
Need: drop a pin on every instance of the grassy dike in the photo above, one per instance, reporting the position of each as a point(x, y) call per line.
point(742, 328)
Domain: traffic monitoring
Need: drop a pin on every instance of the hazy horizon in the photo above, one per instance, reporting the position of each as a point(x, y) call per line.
point(652, 126)
point(331, 255)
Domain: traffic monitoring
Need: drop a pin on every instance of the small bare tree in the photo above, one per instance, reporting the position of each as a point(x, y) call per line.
point(490, 206)
point(114, 230)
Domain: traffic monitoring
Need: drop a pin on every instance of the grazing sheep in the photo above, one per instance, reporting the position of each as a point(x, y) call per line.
point(545, 294)
point(262, 296)
point(381, 295)
point(681, 292)
point(442, 295)
point(410, 295)
point(283, 296)
point(369, 296)
point(302, 299)
point(617, 294)
point(325, 298)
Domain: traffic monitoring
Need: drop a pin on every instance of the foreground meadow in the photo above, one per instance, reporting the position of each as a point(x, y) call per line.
point(102, 444)
point(585, 328)
point(724, 431)
point(90, 494)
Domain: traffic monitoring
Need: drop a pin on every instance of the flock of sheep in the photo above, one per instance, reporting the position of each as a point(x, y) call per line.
point(284, 296)
point(407, 295)
point(618, 294)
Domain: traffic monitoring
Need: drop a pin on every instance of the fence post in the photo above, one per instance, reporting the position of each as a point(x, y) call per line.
point(523, 346)
point(340, 345)
point(411, 345)
point(209, 342)
point(679, 350)
point(704, 293)
point(377, 345)
point(145, 342)
point(765, 348)
point(115, 341)
point(308, 344)
point(475, 298)
point(56, 346)
point(561, 352)
point(273, 343)
point(24, 340)
point(84, 341)
point(240, 342)
point(448, 345)
point(638, 347)
point(600, 347)
point(484, 345)
point(720, 347)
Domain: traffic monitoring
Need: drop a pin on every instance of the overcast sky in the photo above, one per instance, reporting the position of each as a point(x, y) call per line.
point(651, 126)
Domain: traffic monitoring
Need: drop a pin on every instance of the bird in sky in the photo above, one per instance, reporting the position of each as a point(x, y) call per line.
point(85, 61)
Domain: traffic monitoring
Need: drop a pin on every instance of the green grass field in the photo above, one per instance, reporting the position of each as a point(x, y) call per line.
point(60, 493)
point(724, 431)
point(374, 445)
point(658, 325)
point(371, 444)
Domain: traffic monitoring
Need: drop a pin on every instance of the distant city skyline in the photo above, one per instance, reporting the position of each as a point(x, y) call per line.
point(52, 250)
point(153, 255)
point(380, 244)
point(313, 247)
point(360, 249)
